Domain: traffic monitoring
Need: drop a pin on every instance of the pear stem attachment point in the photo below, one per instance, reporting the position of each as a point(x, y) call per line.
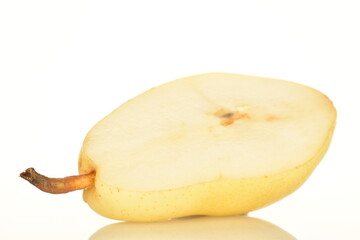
point(58, 185)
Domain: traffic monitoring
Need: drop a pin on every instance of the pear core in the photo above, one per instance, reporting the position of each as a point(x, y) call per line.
point(210, 144)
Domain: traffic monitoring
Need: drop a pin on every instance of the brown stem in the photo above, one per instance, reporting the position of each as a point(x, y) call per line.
point(58, 185)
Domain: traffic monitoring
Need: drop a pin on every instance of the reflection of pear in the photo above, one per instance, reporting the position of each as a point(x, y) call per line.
point(233, 227)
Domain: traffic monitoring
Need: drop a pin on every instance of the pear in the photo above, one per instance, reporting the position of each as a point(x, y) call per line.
point(211, 144)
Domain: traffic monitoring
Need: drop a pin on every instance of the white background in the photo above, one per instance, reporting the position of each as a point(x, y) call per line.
point(66, 64)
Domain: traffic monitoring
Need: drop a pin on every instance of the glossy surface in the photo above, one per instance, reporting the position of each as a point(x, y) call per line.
point(207, 228)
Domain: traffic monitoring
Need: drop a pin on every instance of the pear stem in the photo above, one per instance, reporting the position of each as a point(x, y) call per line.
point(58, 185)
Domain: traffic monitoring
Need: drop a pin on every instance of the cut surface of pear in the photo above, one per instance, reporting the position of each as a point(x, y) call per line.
point(210, 144)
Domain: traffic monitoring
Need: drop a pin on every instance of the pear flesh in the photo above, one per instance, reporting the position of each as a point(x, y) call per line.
point(211, 144)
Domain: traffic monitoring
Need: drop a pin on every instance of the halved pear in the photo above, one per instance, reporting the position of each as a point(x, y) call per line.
point(211, 144)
